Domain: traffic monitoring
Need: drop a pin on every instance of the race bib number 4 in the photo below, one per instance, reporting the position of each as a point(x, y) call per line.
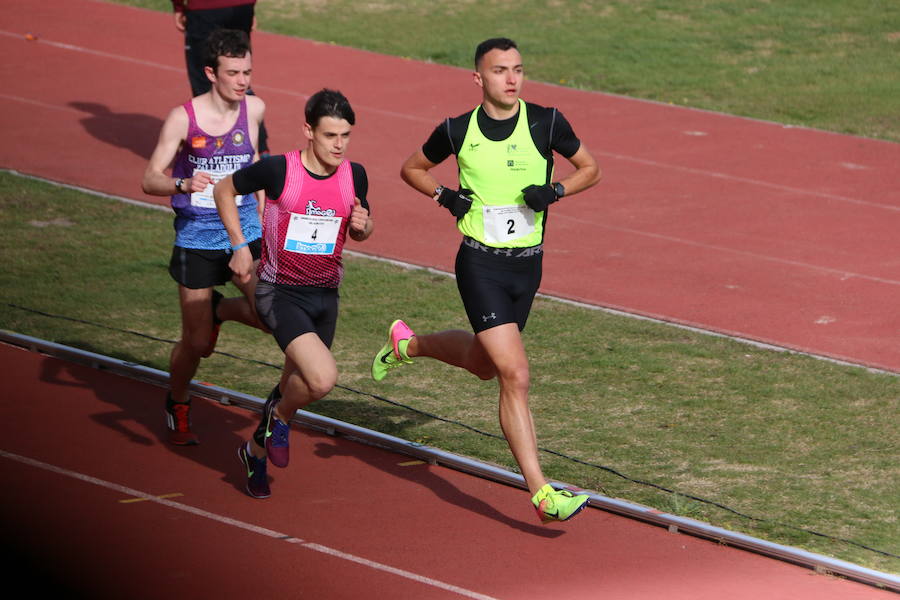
point(506, 223)
point(311, 234)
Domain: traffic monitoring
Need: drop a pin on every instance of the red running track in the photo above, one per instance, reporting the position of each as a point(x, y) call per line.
point(777, 234)
point(98, 506)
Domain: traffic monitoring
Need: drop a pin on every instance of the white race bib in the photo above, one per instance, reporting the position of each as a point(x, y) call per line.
point(312, 234)
point(204, 198)
point(505, 223)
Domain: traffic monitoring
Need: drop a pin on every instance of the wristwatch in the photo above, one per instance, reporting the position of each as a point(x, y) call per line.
point(178, 183)
point(438, 191)
point(559, 190)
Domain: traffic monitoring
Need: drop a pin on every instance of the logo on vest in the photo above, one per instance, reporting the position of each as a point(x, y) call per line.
point(237, 138)
point(312, 209)
point(517, 165)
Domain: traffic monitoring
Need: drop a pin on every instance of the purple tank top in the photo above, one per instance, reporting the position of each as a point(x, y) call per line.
point(219, 156)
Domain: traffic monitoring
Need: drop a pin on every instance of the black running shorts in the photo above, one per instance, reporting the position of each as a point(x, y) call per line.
point(497, 285)
point(197, 269)
point(290, 311)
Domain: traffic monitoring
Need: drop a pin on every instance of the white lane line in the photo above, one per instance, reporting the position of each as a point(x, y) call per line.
point(246, 526)
point(147, 63)
point(100, 53)
point(42, 104)
point(409, 117)
point(842, 273)
point(738, 179)
point(400, 572)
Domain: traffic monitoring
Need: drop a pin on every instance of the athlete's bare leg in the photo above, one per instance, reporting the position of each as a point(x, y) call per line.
point(196, 329)
point(310, 373)
point(454, 347)
point(499, 352)
point(241, 308)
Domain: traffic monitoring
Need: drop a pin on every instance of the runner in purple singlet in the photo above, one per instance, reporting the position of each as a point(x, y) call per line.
point(206, 139)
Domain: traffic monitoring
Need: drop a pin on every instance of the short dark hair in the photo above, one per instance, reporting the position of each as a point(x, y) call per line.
point(232, 43)
point(328, 103)
point(486, 46)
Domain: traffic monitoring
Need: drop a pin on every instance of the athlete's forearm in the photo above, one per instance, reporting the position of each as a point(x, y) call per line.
point(155, 180)
point(586, 174)
point(224, 194)
point(415, 172)
point(157, 183)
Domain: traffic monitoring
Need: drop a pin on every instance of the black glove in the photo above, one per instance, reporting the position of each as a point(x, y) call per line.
point(539, 197)
point(457, 202)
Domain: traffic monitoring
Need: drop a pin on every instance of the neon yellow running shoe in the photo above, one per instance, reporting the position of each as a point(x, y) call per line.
point(393, 353)
point(558, 505)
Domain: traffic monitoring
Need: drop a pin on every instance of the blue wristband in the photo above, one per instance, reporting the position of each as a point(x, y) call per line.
point(239, 246)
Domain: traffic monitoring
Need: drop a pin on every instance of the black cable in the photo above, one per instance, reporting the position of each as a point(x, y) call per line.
point(485, 434)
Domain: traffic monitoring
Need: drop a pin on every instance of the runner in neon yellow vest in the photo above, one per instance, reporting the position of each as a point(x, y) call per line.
point(504, 149)
point(496, 172)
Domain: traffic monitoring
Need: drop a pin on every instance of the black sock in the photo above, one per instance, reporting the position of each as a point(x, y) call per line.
point(259, 436)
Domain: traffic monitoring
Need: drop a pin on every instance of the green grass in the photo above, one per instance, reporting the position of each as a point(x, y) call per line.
point(796, 442)
point(829, 64)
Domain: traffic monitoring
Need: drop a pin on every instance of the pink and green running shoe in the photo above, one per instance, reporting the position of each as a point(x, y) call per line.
point(393, 353)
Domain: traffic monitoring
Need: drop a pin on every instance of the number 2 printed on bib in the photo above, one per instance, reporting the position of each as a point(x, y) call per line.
point(310, 234)
point(503, 224)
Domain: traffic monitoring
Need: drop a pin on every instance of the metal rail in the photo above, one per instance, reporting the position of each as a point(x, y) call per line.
point(675, 524)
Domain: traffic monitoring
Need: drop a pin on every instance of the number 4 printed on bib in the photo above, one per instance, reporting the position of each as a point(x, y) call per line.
point(309, 234)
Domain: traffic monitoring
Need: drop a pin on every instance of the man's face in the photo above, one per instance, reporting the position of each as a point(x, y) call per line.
point(329, 140)
point(231, 77)
point(500, 76)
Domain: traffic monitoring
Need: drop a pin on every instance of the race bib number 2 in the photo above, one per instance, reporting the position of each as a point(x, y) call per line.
point(506, 223)
point(311, 234)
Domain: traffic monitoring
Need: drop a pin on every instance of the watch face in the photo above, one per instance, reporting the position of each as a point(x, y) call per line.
point(559, 189)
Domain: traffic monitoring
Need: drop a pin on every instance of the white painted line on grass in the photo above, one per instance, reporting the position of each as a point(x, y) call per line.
point(246, 526)
point(143, 204)
point(608, 309)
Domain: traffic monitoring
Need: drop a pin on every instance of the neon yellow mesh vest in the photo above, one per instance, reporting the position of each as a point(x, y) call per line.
point(496, 172)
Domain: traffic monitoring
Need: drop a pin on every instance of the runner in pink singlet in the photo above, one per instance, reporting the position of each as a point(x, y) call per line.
point(315, 198)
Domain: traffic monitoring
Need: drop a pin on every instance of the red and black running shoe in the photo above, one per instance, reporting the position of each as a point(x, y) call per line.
point(178, 420)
